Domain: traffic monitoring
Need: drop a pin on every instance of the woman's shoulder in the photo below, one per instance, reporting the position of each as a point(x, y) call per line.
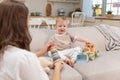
point(18, 50)
point(17, 53)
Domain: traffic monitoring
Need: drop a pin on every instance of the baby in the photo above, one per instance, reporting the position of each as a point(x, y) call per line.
point(63, 40)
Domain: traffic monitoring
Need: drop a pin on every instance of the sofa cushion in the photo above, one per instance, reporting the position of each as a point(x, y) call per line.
point(68, 73)
point(91, 34)
point(105, 67)
point(39, 38)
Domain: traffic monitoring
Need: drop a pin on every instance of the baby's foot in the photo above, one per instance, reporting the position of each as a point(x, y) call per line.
point(72, 63)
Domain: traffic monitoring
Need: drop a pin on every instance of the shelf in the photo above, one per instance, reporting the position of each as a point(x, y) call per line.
point(65, 1)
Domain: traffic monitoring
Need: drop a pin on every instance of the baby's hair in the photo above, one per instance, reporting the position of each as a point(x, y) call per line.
point(60, 19)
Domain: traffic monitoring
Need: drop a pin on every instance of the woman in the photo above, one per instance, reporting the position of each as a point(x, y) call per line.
point(16, 60)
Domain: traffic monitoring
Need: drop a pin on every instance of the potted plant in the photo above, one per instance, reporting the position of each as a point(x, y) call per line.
point(78, 10)
point(109, 14)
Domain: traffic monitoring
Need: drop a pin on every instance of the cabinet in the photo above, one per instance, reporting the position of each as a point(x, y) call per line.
point(109, 22)
point(65, 1)
point(91, 21)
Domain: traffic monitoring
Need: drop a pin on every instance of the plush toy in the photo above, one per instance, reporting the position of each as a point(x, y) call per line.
point(91, 51)
point(46, 63)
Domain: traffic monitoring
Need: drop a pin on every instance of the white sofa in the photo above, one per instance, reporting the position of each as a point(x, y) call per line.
point(104, 67)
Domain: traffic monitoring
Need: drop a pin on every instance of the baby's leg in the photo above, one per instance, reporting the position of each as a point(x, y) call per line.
point(67, 52)
point(75, 52)
point(72, 52)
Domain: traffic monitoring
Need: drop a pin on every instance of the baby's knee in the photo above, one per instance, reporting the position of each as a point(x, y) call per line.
point(79, 49)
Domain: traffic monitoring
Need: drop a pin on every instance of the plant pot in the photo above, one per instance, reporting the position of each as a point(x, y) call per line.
point(109, 15)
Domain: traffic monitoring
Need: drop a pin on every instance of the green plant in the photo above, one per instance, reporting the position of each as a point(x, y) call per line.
point(109, 12)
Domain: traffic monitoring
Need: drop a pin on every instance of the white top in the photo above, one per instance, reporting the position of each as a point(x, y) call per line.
point(20, 64)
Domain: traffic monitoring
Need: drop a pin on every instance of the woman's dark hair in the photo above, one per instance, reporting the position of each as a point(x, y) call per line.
point(14, 25)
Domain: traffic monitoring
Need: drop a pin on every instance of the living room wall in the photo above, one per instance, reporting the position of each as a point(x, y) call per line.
point(40, 6)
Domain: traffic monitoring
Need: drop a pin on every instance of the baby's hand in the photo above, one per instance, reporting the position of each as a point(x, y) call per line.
point(87, 42)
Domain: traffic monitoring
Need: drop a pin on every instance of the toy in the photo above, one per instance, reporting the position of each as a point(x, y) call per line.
point(82, 58)
point(54, 53)
point(46, 63)
point(91, 51)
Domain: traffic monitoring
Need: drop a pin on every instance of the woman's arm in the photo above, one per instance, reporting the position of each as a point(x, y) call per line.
point(44, 49)
point(58, 63)
point(41, 52)
point(57, 70)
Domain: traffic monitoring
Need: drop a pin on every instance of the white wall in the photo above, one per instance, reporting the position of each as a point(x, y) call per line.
point(36, 5)
point(40, 6)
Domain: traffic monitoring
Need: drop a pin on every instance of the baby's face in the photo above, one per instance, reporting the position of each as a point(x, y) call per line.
point(61, 27)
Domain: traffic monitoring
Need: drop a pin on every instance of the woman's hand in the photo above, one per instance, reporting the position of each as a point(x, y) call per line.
point(50, 45)
point(58, 64)
point(45, 49)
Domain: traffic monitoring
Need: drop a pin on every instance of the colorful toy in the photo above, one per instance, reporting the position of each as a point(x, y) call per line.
point(91, 51)
point(54, 53)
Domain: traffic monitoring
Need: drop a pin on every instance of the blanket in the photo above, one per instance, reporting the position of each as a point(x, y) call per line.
point(112, 36)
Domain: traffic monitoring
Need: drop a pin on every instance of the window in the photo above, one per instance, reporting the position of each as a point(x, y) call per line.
point(97, 7)
point(113, 5)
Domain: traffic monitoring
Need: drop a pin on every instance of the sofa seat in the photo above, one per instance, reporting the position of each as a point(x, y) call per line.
point(68, 73)
point(104, 67)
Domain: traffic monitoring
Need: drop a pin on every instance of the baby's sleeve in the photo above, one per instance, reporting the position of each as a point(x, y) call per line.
point(52, 39)
point(73, 37)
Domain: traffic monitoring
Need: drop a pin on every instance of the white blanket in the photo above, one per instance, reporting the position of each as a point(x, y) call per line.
point(112, 35)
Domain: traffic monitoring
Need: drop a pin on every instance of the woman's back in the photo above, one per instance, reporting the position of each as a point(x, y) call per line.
point(19, 64)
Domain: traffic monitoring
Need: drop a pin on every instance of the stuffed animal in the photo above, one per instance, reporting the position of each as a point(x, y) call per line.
point(46, 63)
point(91, 51)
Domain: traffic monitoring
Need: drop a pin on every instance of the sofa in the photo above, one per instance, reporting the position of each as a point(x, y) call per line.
point(104, 67)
